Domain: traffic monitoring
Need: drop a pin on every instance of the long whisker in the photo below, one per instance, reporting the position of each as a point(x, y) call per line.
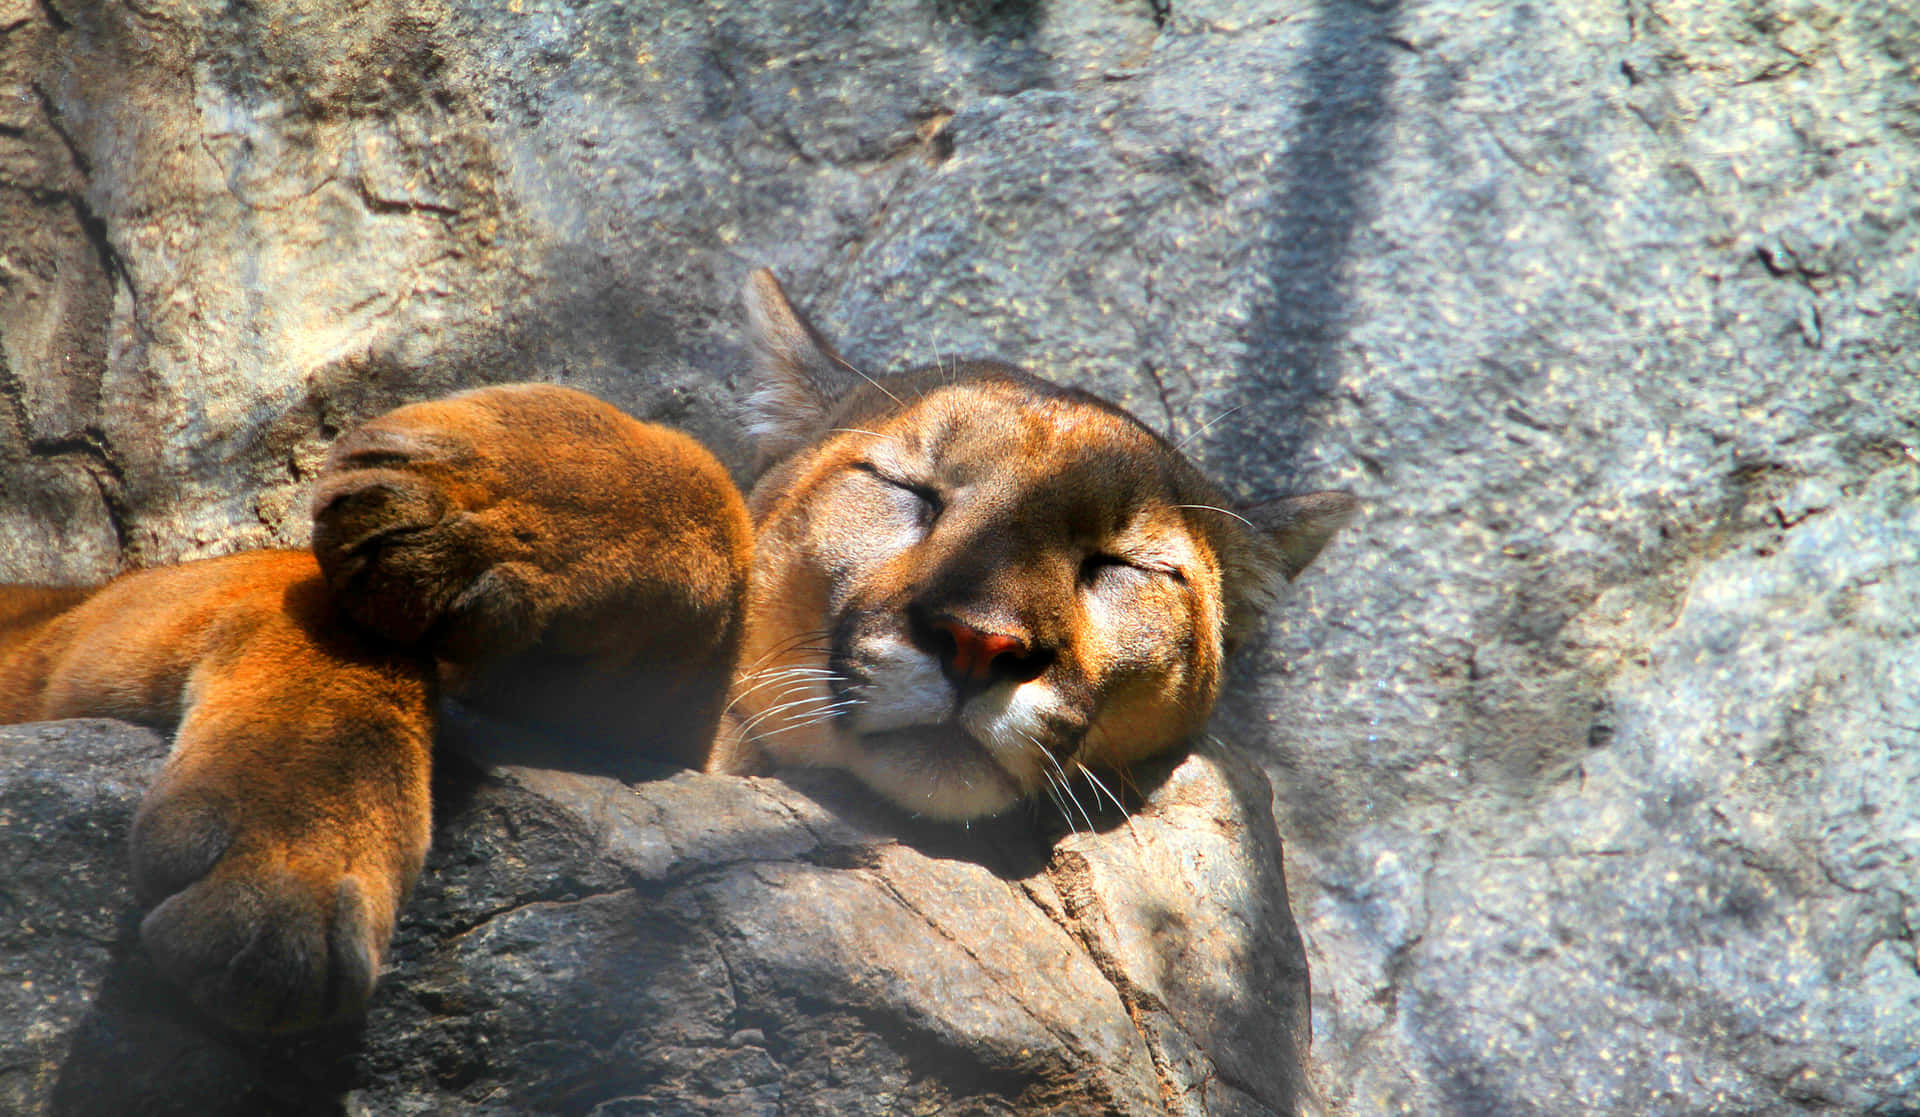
point(754, 677)
point(844, 363)
point(857, 430)
point(1203, 428)
point(1053, 792)
point(815, 717)
point(788, 714)
point(790, 672)
point(788, 682)
point(783, 696)
point(809, 720)
point(1103, 789)
point(1222, 511)
point(796, 712)
point(1078, 806)
point(787, 687)
point(1125, 815)
point(791, 643)
point(1065, 784)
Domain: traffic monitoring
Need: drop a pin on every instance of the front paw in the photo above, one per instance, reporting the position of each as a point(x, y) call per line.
point(391, 538)
point(261, 934)
point(262, 949)
point(420, 540)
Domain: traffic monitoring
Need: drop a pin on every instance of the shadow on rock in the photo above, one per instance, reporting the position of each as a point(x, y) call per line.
point(1321, 196)
point(142, 1050)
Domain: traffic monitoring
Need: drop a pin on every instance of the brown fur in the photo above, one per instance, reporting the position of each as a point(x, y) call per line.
point(966, 583)
point(534, 548)
point(291, 816)
point(568, 564)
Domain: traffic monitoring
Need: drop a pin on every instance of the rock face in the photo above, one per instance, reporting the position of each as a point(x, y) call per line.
point(693, 945)
point(1595, 741)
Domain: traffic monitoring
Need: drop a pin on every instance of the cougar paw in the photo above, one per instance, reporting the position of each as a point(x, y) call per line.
point(258, 937)
point(406, 556)
point(265, 949)
point(176, 841)
point(389, 537)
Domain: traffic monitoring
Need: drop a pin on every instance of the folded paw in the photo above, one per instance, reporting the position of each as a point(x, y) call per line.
point(568, 566)
point(471, 522)
point(517, 517)
point(395, 530)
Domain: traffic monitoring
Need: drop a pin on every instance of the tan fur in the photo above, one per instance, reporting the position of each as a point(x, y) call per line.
point(960, 583)
point(970, 585)
point(570, 565)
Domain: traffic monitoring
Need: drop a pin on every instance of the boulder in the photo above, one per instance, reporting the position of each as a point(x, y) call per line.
point(692, 944)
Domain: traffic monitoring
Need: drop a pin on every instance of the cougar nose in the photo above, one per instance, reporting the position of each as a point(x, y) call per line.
point(973, 658)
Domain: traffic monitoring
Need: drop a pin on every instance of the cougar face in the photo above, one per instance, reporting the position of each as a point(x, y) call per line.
point(1014, 580)
point(969, 584)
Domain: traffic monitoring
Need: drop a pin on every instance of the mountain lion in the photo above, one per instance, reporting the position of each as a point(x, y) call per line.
point(960, 583)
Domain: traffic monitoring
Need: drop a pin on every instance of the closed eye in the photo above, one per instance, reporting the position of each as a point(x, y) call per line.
point(931, 503)
point(1098, 566)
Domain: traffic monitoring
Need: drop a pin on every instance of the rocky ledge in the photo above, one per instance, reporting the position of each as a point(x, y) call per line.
point(692, 944)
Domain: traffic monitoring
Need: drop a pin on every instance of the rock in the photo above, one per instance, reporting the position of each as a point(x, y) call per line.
point(1595, 745)
point(66, 796)
point(695, 944)
point(1593, 740)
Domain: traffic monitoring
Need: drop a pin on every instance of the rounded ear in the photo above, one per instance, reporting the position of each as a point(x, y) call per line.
point(1299, 526)
point(1288, 534)
point(797, 373)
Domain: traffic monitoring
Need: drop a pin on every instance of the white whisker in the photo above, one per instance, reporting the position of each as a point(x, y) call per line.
point(844, 363)
point(1053, 793)
point(772, 674)
point(1095, 781)
point(1125, 815)
point(783, 704)
point(1203, 428)
point(1222, 511)
point(809, 705)
point(787, 686)
point(808, 721)
point(790, 680)
point(1064, 783)
point(790, 644)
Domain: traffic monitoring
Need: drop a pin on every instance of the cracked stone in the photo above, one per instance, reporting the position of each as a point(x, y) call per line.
point(540, 968)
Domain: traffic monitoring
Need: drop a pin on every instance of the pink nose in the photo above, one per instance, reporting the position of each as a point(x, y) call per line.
point(974, 651)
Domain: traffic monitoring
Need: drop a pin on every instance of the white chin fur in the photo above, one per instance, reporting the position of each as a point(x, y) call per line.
point(1002, 765)
point(1009, 721)
point(937, 783)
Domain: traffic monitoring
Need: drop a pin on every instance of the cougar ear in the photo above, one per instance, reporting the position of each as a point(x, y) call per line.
point(1289, 533)
point(797, 373)
point(1299, 526)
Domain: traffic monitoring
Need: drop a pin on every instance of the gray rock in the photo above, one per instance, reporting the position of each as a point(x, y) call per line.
point(1594, 754)
point(1594, 739)
point(66, 797)
point(695, 944)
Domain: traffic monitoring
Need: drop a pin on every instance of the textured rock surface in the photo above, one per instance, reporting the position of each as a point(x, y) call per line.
point(692, 945)
point(1595, 741)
